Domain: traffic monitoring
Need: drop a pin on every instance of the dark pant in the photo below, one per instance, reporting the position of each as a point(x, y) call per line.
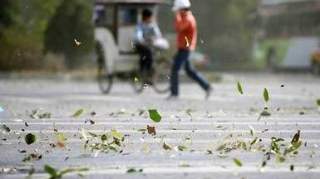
point(182, 58)
point(146, 58)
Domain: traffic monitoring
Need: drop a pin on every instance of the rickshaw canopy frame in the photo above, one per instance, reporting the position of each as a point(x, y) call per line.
point(131, 1)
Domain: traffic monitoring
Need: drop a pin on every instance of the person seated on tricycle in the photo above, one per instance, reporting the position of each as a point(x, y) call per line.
point(148, 37)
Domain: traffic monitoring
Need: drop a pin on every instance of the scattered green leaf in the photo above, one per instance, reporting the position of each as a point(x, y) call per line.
point(55, 174)
point(117, 135)
point(60, 139)
point(182, 148)
point(184, 165)
point(292, 168)
point(78, 113)
point(30, 138)
point(5, 128)
point(166, 146)
point(189, 112)
point(280, 158)
point(266, 95)
point(32, 157)
point(265, 113)
point(37, 114)
point(296, 138)
point(239, 87)
point(154, 115)
point(107, 142)
point(51, 171)
point(133, 170)
point(237, 162)
point(252, 131)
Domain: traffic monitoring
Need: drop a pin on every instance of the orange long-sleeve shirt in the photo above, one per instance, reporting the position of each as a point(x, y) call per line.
point(186, 28)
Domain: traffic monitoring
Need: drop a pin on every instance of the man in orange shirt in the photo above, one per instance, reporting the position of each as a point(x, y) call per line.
point(186, 28)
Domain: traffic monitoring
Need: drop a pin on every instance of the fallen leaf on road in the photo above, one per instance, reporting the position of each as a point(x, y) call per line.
point(265, 113)
point(154, 115)
point(32, 157)
point(37, 114)
point(30, 138)
point(151, 130)
point(292, 168)
point(182, 148)
point(166, 146)
point(296, 138)
point(93, 113)
point(55, 174)
point(5, 128)
point(237, 162)
point(133, 170)
point(184, 165)
point(252, 131)
point(60, 140)
point(189, 112)
point(117, 135)
point(78, 113)
point(266, 95)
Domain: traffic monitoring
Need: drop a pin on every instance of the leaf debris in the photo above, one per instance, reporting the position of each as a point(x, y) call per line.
point(239, 87)
point(237, 162)
point(55, 174)
point(266, 96)
point(78, 113)
point(30, 138)
point(154, 115)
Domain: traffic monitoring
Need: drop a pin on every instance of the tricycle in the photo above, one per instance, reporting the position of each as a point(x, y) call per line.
point(115, 22)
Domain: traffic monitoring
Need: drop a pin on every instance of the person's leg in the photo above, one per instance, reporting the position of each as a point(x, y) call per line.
point(179, 59)
point(146, 58)
point(192, 73)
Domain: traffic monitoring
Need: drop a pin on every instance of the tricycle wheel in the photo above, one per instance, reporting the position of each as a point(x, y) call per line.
point(161, 76)
point(105, 80)
point(137, 81)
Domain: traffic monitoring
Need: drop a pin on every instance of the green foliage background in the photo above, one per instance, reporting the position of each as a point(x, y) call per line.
point(23, 27)
point(31, 28)
point(72, 21)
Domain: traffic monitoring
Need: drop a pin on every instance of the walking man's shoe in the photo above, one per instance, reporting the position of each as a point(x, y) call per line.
point(208, 93)
point(172, 98)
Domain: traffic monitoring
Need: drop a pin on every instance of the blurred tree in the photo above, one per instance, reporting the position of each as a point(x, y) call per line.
point(23, 24)
point(5, 18)
point(6, 14)
point(70, 31)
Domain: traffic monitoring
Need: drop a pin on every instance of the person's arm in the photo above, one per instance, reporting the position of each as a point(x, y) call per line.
point(157, 31)
point(181, 23)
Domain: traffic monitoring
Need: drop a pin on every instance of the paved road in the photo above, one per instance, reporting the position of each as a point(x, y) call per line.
point(204, 139)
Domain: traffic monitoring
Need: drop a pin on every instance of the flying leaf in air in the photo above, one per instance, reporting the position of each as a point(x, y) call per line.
point(239, 86)
point(154, 115)
point(266, 95)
